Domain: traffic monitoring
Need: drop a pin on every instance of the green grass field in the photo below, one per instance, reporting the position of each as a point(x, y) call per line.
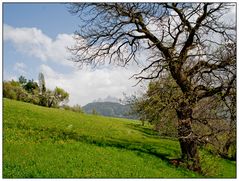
point(40, 142)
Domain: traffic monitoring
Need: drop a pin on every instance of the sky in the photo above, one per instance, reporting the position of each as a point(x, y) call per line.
point(35, 39)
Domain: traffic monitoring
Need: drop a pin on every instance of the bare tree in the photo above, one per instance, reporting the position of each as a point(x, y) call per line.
point(190, 41)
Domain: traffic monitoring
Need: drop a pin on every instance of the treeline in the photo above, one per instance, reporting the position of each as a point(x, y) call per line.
point(36, 93)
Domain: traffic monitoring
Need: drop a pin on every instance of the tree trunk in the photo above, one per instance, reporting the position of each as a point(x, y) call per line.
point(226, 147)
point(187, 139)
point(225, 152)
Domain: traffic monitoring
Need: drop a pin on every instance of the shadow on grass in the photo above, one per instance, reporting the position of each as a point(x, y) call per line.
point(161, 151)
point(149, 132)
point(117, 143)
point(138, 146)
point(169, 152)
point(145, 131)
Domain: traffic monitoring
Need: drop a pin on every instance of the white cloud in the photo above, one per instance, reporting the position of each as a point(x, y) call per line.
point(33, 42)
point(85, 86)
point(20, 67)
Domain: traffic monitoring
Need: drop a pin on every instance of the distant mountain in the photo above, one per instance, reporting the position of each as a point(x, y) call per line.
point(108, 99)
point(111, 109)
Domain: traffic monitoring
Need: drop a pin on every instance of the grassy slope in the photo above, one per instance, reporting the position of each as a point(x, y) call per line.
point(53, 143)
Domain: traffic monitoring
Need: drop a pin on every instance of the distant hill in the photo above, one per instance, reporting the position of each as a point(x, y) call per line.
point(108, 99)
point(111, 109)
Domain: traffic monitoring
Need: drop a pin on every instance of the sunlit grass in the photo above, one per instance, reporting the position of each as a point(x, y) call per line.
point(41, 142)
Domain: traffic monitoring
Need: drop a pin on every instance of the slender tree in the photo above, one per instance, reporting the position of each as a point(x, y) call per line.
point(43, 93)
point(190, 41)
point(42, 84)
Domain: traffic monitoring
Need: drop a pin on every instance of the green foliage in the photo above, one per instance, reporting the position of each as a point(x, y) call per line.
point(22, 80)
point(29, 91)
point(30, 86)
point(39, 142)
point(13, 90)
point(217, 166)
point(9, 90)
point(60, 96)
point(75, 108)
point(214, 120)
point(43, 99)
point(50, 99)
point(54, 98)
point(26, 92)
point(157, 105)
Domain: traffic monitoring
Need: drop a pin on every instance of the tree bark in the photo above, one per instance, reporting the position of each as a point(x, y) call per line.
point(187, 139)
point(225, 152)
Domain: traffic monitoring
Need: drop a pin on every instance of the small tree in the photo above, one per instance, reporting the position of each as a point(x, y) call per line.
point(42, 84)
point(30, 86)
point(61, 95)
point(54, 98)
point(9, 89)
point(94, 112)
point(157, 105)
point(42, 90)
point(13, 90)
point(22, 80)
point(77, 108)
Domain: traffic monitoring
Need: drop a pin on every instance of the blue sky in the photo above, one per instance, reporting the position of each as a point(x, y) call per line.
point(35, 37)
point(51, 18)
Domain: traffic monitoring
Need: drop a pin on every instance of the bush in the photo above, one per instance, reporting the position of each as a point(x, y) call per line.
point(13, 90)
point(29, 91)
point(75, 108)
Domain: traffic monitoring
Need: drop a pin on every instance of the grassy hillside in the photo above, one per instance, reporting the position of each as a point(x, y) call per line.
point(41, 142)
